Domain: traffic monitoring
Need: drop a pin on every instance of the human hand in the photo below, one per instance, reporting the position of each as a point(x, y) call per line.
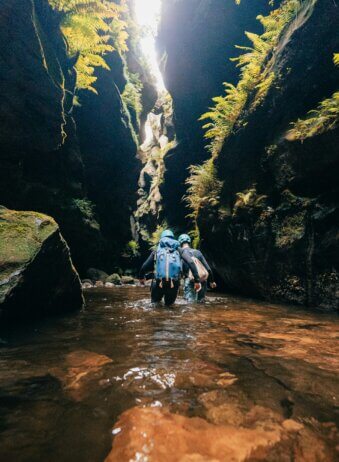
point(197, 286)
point(213, 285)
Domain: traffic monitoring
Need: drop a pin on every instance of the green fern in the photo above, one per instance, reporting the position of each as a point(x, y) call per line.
point(203, 190)
point(255, 78)
point(325, 117)
point(91, 28)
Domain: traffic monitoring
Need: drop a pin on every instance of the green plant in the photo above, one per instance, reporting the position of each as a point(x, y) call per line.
point(155, 237)
point(203, 190)
point(86, 208)
point(132, 94)
point(248, 199)
point(131, 249)
point(256, 76)
point(89, 28)
point(325, 117)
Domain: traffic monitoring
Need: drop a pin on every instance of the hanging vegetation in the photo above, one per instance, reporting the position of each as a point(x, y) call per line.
point(325, 117)
point(255, 77)
point(91, 29)
point(203, 190)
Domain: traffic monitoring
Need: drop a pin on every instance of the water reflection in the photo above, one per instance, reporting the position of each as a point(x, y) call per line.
point(64, 382)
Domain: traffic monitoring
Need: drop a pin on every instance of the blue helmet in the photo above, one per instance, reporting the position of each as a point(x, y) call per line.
point(184, 238)
point(167, 233)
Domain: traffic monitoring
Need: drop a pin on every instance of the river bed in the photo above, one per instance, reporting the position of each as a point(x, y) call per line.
point(232, 379)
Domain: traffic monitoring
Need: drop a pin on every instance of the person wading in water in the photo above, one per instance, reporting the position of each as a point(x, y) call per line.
point(204, 271)
point(166, 262)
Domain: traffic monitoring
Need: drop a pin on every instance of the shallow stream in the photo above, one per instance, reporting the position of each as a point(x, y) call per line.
point(240, 365)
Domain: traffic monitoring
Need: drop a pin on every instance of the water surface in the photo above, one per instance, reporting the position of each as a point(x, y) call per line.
point(64, 382)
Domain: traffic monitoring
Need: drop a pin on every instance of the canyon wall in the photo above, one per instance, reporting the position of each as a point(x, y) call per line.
point(273, 233)
point(197, 38)
point(71, 163)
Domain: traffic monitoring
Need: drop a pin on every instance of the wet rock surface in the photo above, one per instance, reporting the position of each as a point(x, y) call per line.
point(80, 369)
point(233, 379)
point(279, 241)
point(37, 277)
point(158, 435)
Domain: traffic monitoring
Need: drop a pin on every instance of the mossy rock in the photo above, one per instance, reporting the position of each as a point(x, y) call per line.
point(37, 276)
point(114, 279)
point(95, 274)
point(127, 280)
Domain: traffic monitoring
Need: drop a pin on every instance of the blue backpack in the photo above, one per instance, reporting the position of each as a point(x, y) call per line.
point(168, 260)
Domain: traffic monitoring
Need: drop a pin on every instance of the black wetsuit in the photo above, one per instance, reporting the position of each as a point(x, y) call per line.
point(197, 254)
point(167, 289)
point(189, 292)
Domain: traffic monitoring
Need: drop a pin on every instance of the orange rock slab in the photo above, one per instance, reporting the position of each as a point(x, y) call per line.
point(154, 435)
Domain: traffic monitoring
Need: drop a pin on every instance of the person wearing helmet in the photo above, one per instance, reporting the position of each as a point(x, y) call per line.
point(166, 265)
point(204, 270)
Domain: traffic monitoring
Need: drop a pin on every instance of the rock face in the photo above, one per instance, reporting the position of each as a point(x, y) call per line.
point(198, 37)
point(108, 148)
point(69, 164)
point(279, 239)
point(37, 277)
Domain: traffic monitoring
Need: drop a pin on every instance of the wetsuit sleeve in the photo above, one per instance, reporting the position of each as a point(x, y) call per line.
point(206, 265)
point(147, 267)
point(186, 256)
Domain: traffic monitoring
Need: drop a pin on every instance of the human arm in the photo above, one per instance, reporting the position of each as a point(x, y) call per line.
point(207, 266)
point(147, 267)
point(187, 258)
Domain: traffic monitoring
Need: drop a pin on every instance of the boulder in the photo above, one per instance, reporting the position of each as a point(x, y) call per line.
point(95, 274)
point(127, 280)
point(37, 276)
point(114, 279)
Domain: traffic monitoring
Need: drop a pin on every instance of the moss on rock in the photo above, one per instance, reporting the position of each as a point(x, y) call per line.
point(36, 272)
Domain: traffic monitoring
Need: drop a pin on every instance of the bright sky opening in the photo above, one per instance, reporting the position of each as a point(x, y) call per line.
point(148, 13)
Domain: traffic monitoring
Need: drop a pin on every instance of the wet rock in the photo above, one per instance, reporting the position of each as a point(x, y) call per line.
point(114, 279)
point(189, 375)
point(155, 434)
point(161, 436)
point(127, 280)
point(86, 285)
point(109, 285)
point(286, 249)
point(82, 371)
point(95, 274)
point(99, 284)
point(37, 277)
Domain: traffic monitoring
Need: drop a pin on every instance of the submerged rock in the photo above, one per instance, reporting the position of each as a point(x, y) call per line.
point(82, 369)
point(154, 434)
point(37, 276)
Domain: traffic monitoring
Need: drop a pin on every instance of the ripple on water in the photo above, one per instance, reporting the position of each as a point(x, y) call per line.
point(248, 371)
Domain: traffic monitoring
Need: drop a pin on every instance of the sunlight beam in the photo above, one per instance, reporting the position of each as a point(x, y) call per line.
point(148, 14)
